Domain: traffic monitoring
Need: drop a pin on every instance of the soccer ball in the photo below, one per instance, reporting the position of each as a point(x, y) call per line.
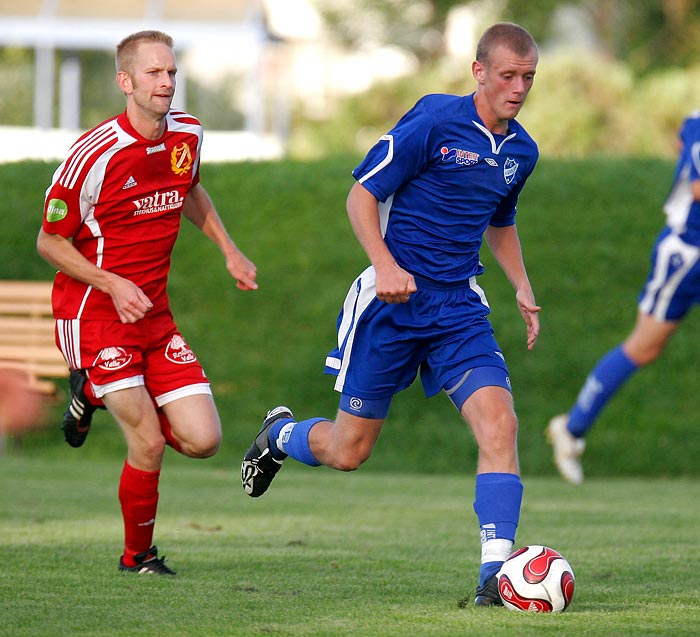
point(537, 579)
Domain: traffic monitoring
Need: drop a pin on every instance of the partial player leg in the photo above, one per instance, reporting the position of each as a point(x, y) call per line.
point(567, 449)
point(77, 418)
point(498, 494)
point(345, 444)
point(178, 384)
point(342, 445)
point(135, 413)
point(147, 563)
point(264, 458)
point(566, 432)
point(192, 426)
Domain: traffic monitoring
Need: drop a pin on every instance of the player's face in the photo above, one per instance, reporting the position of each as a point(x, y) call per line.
point(503, 85)
point(150, 82)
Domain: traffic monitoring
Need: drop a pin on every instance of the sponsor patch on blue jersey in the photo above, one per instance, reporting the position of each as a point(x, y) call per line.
point(461, 157)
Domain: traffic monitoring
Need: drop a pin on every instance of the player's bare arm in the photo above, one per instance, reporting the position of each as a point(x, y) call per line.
point(200, 210)
point(505, 246)
point(393, 283)
point(129, 300)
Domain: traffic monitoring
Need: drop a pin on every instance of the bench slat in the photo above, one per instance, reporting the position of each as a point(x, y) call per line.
point(27, 333)
point(44, 369)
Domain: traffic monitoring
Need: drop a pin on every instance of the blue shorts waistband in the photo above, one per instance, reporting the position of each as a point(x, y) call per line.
point(430, 284)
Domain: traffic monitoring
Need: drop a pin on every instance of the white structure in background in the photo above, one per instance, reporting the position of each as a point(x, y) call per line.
point(236, 31)
point(281, 49)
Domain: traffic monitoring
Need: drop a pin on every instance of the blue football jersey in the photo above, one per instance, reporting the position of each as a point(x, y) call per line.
point(682, 211)
point(441, 178)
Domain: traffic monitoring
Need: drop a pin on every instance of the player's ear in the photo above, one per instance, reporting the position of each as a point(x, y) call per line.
point(478, 71)
point(124, 82)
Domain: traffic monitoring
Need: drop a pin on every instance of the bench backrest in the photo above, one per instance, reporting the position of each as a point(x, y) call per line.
point(27, 333)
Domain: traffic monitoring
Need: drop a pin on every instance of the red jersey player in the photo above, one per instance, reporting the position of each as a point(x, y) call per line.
point(111, 217)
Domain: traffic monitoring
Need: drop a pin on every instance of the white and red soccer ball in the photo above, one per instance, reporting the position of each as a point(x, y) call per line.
point(537, 579)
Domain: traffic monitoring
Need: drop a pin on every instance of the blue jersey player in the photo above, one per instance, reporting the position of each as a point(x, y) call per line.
point(447, 175)
point(671, 289)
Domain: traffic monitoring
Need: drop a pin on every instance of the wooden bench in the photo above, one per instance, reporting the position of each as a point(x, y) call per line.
point(27, 334)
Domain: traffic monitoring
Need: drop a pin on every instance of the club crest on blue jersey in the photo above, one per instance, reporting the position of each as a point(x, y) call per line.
point(461, 157)
point(509, 169)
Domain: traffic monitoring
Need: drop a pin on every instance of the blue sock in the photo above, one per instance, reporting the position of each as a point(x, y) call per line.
point(497, 501)
point(287, 437)
point(609, 374)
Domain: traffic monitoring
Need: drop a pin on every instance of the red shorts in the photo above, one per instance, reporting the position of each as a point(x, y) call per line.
point(117, 355)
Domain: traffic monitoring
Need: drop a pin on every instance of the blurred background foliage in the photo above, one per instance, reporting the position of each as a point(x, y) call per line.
point(615, 77)
point(647, 34)
point(622, 88)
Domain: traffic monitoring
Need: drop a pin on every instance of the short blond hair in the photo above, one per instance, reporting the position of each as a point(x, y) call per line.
point(508, 34)
point(126, 49)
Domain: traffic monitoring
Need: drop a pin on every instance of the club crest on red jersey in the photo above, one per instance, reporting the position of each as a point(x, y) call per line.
point(111, 358)
point(178, 351)
point(181, 159)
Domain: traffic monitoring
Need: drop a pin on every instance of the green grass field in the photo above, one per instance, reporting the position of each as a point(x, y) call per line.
point(586, 227)
point(328, 555)
point(392, 549)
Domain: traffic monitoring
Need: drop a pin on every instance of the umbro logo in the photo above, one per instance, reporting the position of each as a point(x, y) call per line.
point(130, 183)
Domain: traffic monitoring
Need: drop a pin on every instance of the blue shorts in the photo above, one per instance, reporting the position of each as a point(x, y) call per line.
point(443, 333)
point(673, 284)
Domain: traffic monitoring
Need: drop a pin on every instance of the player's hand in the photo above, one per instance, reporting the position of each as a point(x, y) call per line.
point(529, 310)
point(394, 284)
point(243, 270)
point(129, 300)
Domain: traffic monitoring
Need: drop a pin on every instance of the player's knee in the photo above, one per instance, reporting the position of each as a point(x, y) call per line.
point(501, 434)
point(210, 449)
point(346, 464)
point(508, 424)
point(202, 447)
point(350, 459)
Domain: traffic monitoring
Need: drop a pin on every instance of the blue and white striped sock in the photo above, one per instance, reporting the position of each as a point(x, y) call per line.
point(497, 501)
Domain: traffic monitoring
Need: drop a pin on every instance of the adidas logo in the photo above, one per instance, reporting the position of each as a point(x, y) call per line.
point(130, 183)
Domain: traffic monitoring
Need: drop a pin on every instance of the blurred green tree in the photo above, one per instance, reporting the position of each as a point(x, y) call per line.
point(648, 34)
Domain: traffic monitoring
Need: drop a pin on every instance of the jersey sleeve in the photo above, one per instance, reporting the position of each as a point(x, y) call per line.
point(694, 171)
point(62, 204)
point(398, 156)
point(690, 138)
point(76, 183)
point(181, 121)
point(688, 162)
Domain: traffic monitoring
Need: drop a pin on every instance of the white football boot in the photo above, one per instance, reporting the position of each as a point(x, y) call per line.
point(567, 449)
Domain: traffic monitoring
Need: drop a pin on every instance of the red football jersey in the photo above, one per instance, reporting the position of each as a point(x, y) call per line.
point(119, 197)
